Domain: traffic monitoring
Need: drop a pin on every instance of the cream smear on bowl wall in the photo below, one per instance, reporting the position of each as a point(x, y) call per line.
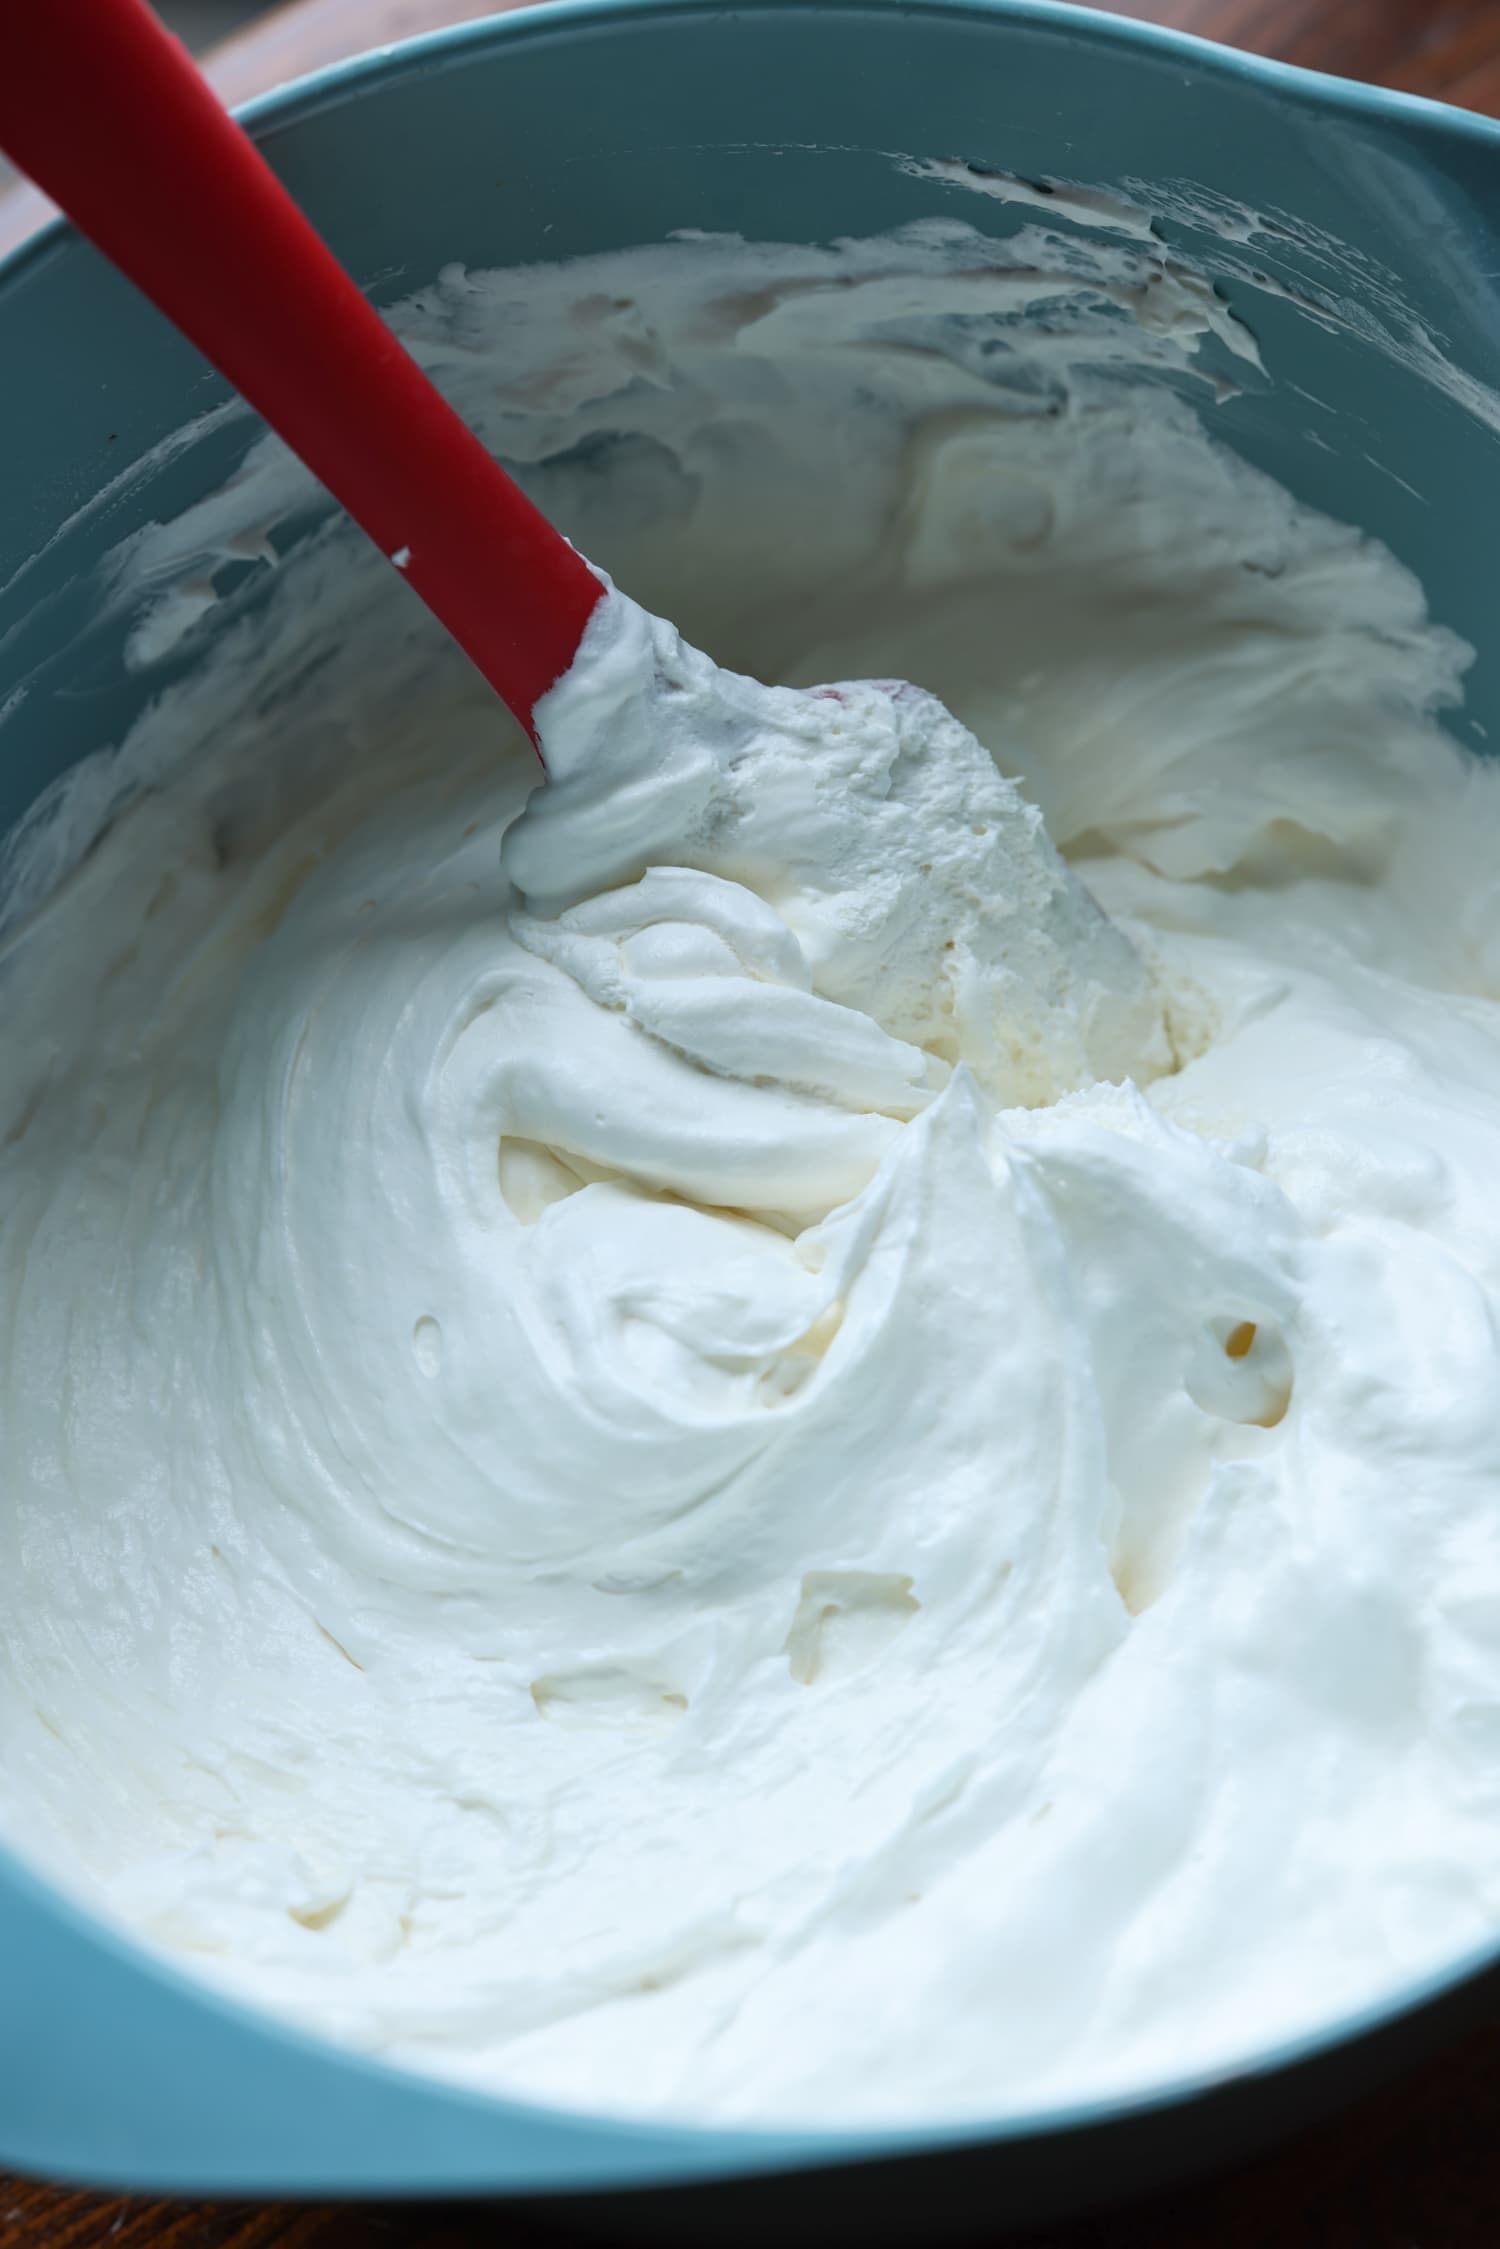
point(603, 1494)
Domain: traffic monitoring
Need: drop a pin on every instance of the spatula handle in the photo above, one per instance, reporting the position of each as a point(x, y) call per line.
point(105, 111)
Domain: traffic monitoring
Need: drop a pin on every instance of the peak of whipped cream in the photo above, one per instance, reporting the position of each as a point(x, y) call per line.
point(897, 880)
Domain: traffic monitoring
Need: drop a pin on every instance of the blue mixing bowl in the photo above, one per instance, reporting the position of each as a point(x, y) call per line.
point(587, 127)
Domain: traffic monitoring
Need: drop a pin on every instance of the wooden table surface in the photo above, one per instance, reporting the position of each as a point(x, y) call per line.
point(1419, 2166)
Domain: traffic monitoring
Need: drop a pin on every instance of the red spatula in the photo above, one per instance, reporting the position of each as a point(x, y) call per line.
point(102, 107)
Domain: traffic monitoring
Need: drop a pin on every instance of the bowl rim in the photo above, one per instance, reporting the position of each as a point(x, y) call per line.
point(698, 2151)
point(294, 98)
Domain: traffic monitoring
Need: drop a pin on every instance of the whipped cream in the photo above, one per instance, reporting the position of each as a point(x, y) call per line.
point(692, 1441)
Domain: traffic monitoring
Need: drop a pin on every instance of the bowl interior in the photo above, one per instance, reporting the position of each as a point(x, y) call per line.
point(1367, 281)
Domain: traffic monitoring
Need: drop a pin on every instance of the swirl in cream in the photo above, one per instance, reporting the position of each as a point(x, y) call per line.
point(693, 1440)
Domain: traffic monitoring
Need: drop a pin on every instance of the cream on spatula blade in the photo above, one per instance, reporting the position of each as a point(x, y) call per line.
point(923, 889)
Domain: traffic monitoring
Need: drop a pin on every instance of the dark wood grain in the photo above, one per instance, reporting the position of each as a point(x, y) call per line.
point(1417, 2168)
